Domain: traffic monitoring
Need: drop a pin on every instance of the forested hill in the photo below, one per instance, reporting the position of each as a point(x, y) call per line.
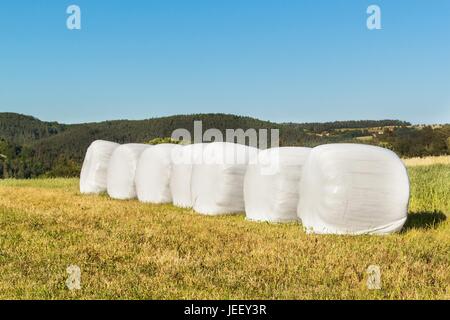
point(23, 129)
point(30, 147)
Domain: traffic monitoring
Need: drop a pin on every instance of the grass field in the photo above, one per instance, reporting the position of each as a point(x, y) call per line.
point(426, 161)
point(129, 250)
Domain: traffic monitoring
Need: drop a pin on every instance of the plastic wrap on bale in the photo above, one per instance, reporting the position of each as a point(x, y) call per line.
point(271, 185)
point(153, 173)
point(353, 189)
point(217, 180)
point(181, 177)
point(93, 177)
point(122, 170)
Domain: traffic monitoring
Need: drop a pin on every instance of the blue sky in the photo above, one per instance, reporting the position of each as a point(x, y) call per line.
point(275, 60)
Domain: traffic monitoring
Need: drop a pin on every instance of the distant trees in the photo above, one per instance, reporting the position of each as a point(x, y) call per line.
point(4, 166)
point(64, 167)
point(17, 161)
point(22, 129)
point(318, 127)
point(163, 140)
point(413, 142)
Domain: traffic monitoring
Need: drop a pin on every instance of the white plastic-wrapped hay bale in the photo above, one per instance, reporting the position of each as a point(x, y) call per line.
point(153, 174)
point(217, 180)
point(95, 165)
point(353, 189)
point(180, 179)
point(271, 185)
point(122, 170)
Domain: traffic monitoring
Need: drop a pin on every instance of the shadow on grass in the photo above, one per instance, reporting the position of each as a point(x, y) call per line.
point(424, 220)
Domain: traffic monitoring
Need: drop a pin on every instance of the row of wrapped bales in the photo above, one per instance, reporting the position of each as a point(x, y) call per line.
point(336, 188)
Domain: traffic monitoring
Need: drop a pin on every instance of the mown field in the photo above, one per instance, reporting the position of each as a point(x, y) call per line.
point(129, 250)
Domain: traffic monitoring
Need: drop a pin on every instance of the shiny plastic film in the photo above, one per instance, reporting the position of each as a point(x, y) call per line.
point(353, 189)
point(271, 185)
point(122, 170)
point(93, 177)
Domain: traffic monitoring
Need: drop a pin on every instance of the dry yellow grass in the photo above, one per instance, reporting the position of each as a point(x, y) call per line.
point(426, 161)
point(127, 249)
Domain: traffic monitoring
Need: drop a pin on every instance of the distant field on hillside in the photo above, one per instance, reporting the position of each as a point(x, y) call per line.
point(130, 250)
point(426, 161)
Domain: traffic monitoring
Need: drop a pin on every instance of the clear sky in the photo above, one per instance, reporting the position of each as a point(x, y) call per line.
point(279, 60)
